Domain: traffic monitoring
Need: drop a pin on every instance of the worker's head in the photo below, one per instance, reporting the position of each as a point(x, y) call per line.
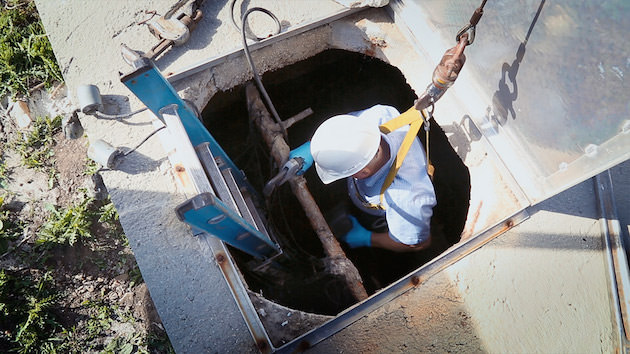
point(343, 146)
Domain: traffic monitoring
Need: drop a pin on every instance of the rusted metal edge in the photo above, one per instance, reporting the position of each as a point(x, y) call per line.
point(216, 60)
point(411, 281)
point(239, 292)
point(619, 276)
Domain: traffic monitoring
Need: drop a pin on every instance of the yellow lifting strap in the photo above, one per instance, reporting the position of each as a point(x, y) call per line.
point(414, 119)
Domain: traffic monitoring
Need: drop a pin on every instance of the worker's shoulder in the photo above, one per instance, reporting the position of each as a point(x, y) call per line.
point(381, 111)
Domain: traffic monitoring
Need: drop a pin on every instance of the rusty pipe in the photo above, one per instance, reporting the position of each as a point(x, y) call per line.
point(271, 132)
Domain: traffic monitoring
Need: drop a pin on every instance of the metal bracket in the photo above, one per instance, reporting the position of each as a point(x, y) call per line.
point(208, 213)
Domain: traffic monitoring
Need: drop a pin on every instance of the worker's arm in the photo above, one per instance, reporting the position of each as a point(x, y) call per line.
point(383, 240)
point(359, 236)
point(304, 152)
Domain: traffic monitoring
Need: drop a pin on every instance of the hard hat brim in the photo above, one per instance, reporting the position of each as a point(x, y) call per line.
point(326, 177)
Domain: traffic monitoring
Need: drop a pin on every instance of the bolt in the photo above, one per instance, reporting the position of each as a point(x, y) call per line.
point(509, 223)
point(415, 280)
point(179, 168)
point(220, 258)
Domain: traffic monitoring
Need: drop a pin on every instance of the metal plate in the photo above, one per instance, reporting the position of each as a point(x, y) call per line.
point(544, 81)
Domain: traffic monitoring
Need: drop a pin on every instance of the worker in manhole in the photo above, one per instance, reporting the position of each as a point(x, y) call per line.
point(352, 146)
point(388, 172)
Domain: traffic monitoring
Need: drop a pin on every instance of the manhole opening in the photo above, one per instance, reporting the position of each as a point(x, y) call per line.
point(330, 83)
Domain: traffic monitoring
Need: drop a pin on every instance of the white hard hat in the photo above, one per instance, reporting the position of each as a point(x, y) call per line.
point(343, 145)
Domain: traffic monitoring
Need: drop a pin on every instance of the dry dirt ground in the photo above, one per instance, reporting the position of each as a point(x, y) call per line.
point(101, 302)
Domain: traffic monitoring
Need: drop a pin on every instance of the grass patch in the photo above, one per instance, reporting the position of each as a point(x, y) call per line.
point(26, 56)
point(4, 177)
point(10, 227)
point(36, 146)
point(26, 317)
point(91, 167)
point(67, 225)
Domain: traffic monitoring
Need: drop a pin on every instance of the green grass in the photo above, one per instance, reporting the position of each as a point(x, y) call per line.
point(36, 146)
point(67, 225)
point(10, 227)
point(26, 56)
point(26, 317)
point(91, 167)
point(4, 177)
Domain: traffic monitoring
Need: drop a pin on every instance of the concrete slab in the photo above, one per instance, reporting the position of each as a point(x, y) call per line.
point(522, 292)
point(540, 287)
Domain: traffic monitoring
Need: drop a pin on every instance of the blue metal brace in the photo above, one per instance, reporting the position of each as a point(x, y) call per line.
point(204, 211)
point(207, 212)
point(148, 84)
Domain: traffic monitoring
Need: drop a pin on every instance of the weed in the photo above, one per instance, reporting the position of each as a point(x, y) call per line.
point(135, 276)
point(91, 167)
point(4, 178)
point(100, 321)
point(126, 345)
point(26, 56)
point(27, 320)
point(159, 343)
point(10, 227)
point(35, 147)
point(67, 226)
point(108, 214)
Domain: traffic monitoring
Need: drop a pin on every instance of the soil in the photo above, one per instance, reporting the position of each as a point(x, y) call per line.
point(99, 270)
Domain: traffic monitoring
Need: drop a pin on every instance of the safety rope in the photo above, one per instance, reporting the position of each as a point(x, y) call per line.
point(414, 119)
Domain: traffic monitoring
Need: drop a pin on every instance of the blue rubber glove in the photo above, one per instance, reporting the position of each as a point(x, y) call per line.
point(303, 151)
point(358, 236)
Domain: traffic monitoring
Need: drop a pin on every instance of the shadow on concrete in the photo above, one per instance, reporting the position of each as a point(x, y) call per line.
point(504, 98)
point(119, 104)
point(137, 163)
point(461, 135)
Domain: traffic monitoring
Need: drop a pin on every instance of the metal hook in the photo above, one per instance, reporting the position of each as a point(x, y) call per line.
point(470, 29)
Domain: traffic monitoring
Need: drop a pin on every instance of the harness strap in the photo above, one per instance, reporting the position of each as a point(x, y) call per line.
point(414, 119)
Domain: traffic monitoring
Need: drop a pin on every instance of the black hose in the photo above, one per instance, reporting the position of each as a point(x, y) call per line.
point(248, 55)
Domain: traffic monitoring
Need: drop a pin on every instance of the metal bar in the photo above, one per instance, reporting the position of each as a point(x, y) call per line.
point(216, 60)
point(214, 174)
point(619, 277)
point(272, 134)
point(411, 281)
point(232, 277)
point(148, 84)
point(190, 171)
point(238, 197)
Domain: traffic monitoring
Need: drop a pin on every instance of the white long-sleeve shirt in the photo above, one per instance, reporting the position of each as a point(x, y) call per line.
point(410, 199)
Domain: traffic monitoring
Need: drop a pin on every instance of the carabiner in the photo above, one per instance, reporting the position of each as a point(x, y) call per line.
point(427, 123)
point(470, 29)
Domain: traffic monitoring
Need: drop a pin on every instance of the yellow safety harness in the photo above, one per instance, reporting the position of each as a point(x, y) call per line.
point(414, 119)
